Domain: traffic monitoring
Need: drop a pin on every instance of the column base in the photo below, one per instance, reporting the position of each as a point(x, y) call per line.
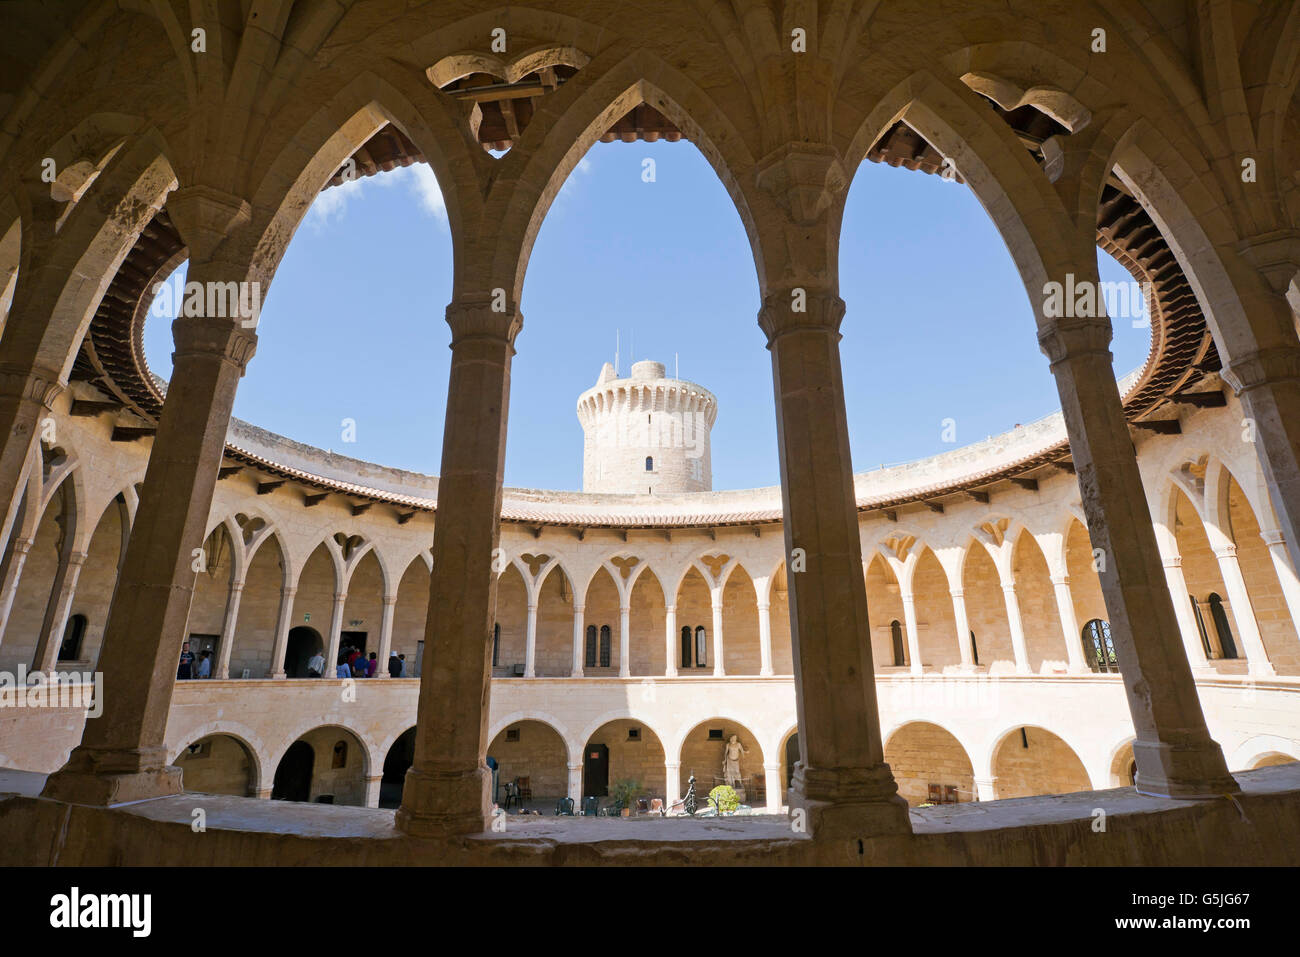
point(276, 674)
point(1191, 771)
point(105, 778)
point(849, 802)
point(445, 804)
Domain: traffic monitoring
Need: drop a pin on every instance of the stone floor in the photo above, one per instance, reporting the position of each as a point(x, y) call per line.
point(1259, 826)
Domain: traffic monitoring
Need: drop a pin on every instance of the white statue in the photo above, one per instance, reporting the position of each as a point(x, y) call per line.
point(731, 752)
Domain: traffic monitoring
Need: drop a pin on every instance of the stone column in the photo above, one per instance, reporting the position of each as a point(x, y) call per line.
point(122, 756)
point(913, 631)
point(963, 629)
point(1069, 625)
point(1286, 575)
point(986, 789)
point(772, 787)
point(385, 635)
point(670, 641)
point(672, 782)
point(575, 787)
point(1243, 611)
point(13, 575)
point(1185, 614)
point(530, 642)
point(27, 394)
point(448, 788)
point(1176, 757)
point(841, 780)
point(1017, 627)
point(578, 639)
point(336, 629)
point(227, 642)
point(765, 638)
point(716, 595)
point(624, 640)
point(280, 647)
point(372, 790)
point(57, 611)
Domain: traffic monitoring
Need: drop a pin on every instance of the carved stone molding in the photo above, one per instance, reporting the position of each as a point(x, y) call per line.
point(35, 385)
point(780, 312)
point(803, 178)
point(1265, 367)
point(1062, 339)
point(479, 320)
point(225, 338)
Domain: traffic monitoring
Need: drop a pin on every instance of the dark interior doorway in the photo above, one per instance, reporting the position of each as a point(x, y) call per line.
point(400, 758)
point(303, 643)
point(595, 770)
point(353, 639)
point(791, 758)
point(293, 774)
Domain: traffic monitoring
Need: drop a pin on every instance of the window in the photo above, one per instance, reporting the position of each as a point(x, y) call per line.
point(649, 463)
point(604, 646)
point(70, 649)
point(896, 633)
point(634, 734)
point(1200, 626)
point(496, 644)
point(1220, 616)
point(715, 734)
point(1098, 648)
point(512, 734)
point(686, 646)
point(340, 755)
point(701, 648)
point(589, 660)
point(974, 650)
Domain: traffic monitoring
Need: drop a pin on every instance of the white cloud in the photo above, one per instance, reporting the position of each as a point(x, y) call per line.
point(331, 204)
point(425, 186)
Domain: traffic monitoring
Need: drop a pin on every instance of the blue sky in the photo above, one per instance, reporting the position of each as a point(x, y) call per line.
point(937, 326)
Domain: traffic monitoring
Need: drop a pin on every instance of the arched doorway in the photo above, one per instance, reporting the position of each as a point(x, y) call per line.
point(703, 752)
point(217, 764)
point(293, 773)
point(533, 756)
point(791, 758)
point(398, 761)
point(1031, 761)
point(624, 750)
point(303, 643)
point(930, 765)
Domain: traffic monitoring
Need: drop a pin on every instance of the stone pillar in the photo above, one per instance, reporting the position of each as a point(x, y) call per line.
point(385, 636)
point(530, 642)
point(372, 790)
point(913, 631)
point(13, 575)
point(963, 629)
point(1069, 625)
point(1176, 757)
point(578, 639)
point(448, 788)
point(57, 611)
point(336, 628)
point(718, 669)
point(1185, 614)
point(670, 641)
point(280, 647)
point(262, 794)
point(1286, 575)
point(765, 638)
point(27, 395)
point(772, 787)
point(841, 780)
point(227, 642)
point(121, 756)
point(986, 789)
point(672, 782)
point(624, 640)
point(1243, 612)
point(575, 787)
point(1017, 627)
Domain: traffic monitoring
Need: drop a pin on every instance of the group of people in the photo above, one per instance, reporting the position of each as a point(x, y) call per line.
point(188, 668)
point(353, 663)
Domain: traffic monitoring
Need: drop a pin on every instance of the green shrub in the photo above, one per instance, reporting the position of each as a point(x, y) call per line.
point(625, 793)
point(723, 799)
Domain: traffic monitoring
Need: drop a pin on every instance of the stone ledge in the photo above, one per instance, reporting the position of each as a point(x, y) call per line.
point(1260, 827)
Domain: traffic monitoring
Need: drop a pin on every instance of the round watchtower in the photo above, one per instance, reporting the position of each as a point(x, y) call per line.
point(646, 434)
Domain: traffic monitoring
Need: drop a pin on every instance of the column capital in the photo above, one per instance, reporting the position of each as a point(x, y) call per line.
point(764, 605)
point(804, 179)
point(956, 593)
point(288, 591)
point(1226, 551)
point(1008, 588)
point(1273, 537)
point(1265, 367)
point(389, 599)
point(799, 309)
point(33, 383)
point(1173, 561)
point(77, 559)
point(673, 764)
point(532, 604)
point(1062, 339)
point(206, 215)
point(227, 339)
point(579, 609)
point(1060, 579)
point(237, 585)
point(671, 608)
point(23, 545)
point(340, 596)
point(489, 317)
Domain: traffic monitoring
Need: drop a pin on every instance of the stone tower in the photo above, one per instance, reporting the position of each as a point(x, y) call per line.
point(646, 434)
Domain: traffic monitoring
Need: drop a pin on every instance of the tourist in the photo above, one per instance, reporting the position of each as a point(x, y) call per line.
point(394, 665)
point(358, 665)
point(402, 659)
point(187, 662)
point(316, 666)
point(372, 665)
point(343, 671)
point(205, 664)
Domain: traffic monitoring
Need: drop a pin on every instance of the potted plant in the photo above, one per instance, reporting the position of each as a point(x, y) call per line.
point(723, 799)
point(624, 793)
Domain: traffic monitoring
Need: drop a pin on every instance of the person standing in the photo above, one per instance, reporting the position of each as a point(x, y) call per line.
point(402, 659)
point(394, 665)
point(316, 666)
point(343, 671)
point(205, 664)
point(186, 668)
point(372, 665)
